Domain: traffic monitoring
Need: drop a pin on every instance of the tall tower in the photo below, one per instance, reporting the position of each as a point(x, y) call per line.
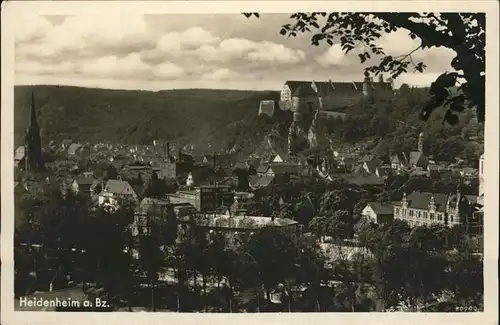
point(33, 142)
point(421, 142)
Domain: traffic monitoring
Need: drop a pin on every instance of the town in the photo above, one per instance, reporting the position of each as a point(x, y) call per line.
point(309, 225)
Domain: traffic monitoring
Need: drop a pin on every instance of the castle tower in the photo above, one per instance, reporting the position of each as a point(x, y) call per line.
point(297, 138)
point(367, 85)
point(312, 136)
point(33, 142)
point(421, 142)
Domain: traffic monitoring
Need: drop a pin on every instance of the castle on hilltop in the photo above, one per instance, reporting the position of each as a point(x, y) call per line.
point(307, 99)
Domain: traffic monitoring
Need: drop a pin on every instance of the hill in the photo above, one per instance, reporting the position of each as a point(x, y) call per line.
point(129, 116)
point(225, 119)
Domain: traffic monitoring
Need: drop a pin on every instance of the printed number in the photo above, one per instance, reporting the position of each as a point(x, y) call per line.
point(465, 308)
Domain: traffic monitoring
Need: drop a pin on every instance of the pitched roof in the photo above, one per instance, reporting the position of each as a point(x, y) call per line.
point(295, 85)
point(421, 200)
point(283, 168)
point(73, 148)
point(361, 180)
point(262, 168)
point(116, 186)
point(380, 208)
point(324, 87)
point(241, 165)
point(253, 180)
point(383, 172)
point(399, 158)
point(372, 166)
point(82, 180)
point(264, 181)
point(417, 157)
point(347, 87)
point(19, 153)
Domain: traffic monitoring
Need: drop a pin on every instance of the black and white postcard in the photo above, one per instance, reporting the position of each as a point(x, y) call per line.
point(199, 161)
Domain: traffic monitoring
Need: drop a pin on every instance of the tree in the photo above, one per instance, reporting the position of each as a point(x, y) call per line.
point(111, 172)
point(464, 33)
point(274, 252)
point(156, 188)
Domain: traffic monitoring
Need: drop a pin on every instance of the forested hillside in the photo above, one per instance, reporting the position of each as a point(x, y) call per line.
point(224, 119)
point(85, 114)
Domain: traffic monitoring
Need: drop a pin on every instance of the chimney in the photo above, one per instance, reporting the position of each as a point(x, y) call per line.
point(381, 78)
point(168, 151)
point(179, 155)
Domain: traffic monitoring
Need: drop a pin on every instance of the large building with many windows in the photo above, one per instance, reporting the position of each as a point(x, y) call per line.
point(423, 208)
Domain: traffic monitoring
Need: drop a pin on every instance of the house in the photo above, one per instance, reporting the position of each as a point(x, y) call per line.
point(469, 172)
point(150, 209)
point(168, 170)
point(65, 144)
point(282, 169)
point(481, 178)
point(267, 107)
point(399, 162)
point(114, 191)
point(423, 208)
point(262, 181)
point(363, 180)
point(83, 185)
point(233, 226)
point(19, 155)
point(206, 198)
point(371, 167)
point(74, 148)
point(20, 190)
point(378, 212)
point(433, 170)
point(262, 169)
point(418, 159)
point(281, 158)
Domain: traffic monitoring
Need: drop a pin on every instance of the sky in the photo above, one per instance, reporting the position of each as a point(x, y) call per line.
point(172, 51)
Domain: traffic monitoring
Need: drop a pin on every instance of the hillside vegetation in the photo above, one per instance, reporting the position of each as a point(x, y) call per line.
point(127, 116)
point(224, 119)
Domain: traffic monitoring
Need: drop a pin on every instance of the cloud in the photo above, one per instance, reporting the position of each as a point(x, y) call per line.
point(168, 70)
point(221, 74)
point(29, 67)
point(112, 66)
point(113, 33)
point(176, 44)
point(332, 57)
point(260, 53)
point(186, 50)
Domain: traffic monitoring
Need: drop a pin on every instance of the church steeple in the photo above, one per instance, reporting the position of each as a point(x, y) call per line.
point(421, 142)
point(33, 141)
point(33, 120)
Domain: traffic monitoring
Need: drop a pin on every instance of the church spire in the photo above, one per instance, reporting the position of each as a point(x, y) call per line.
point(34, 141)
point(33, 119)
